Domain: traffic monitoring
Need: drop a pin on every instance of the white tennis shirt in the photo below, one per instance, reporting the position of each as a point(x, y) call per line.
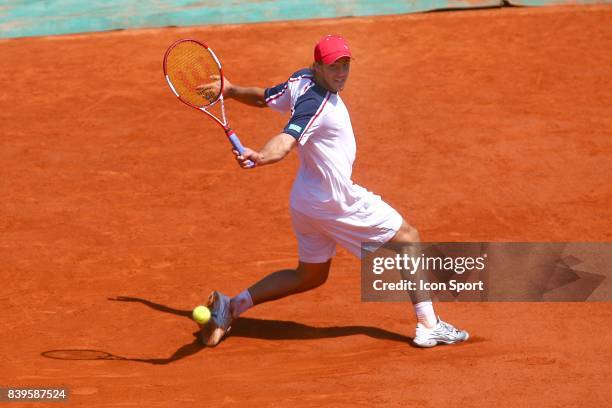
point(321, 124)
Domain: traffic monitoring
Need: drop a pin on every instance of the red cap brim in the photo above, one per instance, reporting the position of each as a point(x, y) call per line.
point(335, 56)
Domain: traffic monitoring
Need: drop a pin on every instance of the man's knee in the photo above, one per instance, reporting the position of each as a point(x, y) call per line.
point(313, 275)
point(406, 234)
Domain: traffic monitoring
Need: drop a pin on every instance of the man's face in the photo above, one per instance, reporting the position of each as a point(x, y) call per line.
point(334, 75)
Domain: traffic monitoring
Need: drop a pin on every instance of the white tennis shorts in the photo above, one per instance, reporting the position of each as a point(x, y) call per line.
point(376, 221)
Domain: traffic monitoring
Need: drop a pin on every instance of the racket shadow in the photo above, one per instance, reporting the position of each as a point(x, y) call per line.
point(89, 354)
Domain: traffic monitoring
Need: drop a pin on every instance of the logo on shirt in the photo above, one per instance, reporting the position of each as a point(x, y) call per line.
point(295, 127)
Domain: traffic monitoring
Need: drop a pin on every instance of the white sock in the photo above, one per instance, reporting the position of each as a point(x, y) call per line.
point(425, 313)
point(241, 303)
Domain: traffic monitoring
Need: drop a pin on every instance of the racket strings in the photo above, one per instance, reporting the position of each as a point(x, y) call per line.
point(189, 65)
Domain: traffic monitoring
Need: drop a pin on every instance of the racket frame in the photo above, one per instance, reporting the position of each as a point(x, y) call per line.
point(231, 135)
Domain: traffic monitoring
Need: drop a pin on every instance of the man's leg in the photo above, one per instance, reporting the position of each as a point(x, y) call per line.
point(430, 329)
point(275, 286)
point(287, 282)
point(407, 240)
point(280, 284)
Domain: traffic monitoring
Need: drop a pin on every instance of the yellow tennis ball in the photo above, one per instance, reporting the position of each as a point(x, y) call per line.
point(201, 314)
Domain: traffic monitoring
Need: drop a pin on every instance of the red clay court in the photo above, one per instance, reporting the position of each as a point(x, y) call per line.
point(121, 209)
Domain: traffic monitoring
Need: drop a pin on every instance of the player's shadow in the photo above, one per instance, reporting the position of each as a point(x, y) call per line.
point(288, 330)
point(243, 327)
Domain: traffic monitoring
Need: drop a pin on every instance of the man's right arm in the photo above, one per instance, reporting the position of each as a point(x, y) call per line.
point(252, 96)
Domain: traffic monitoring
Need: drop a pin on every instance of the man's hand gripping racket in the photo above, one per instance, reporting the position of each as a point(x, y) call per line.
point(194, 75)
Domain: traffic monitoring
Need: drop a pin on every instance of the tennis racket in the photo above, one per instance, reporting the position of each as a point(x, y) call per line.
point(194, 75)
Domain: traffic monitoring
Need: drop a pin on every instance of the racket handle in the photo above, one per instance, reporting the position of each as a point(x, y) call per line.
point(235, 141)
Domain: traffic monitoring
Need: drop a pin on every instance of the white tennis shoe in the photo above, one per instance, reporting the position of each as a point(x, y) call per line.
point(442, 333)
point(220, 321)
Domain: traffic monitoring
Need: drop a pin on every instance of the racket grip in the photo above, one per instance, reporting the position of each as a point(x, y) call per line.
point(235, 141)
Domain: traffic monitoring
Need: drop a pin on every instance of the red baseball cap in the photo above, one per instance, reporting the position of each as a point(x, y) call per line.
point(330, 48)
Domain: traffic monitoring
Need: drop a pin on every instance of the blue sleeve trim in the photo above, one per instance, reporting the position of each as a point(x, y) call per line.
point(306, 109)
point(275, 91)
point(304, 72)
point(278, 90)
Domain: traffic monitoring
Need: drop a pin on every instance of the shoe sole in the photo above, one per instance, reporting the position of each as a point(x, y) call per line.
point(211, 333)
point(434, 343)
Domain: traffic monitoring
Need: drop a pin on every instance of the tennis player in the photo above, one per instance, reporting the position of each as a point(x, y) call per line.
point(327, 208)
